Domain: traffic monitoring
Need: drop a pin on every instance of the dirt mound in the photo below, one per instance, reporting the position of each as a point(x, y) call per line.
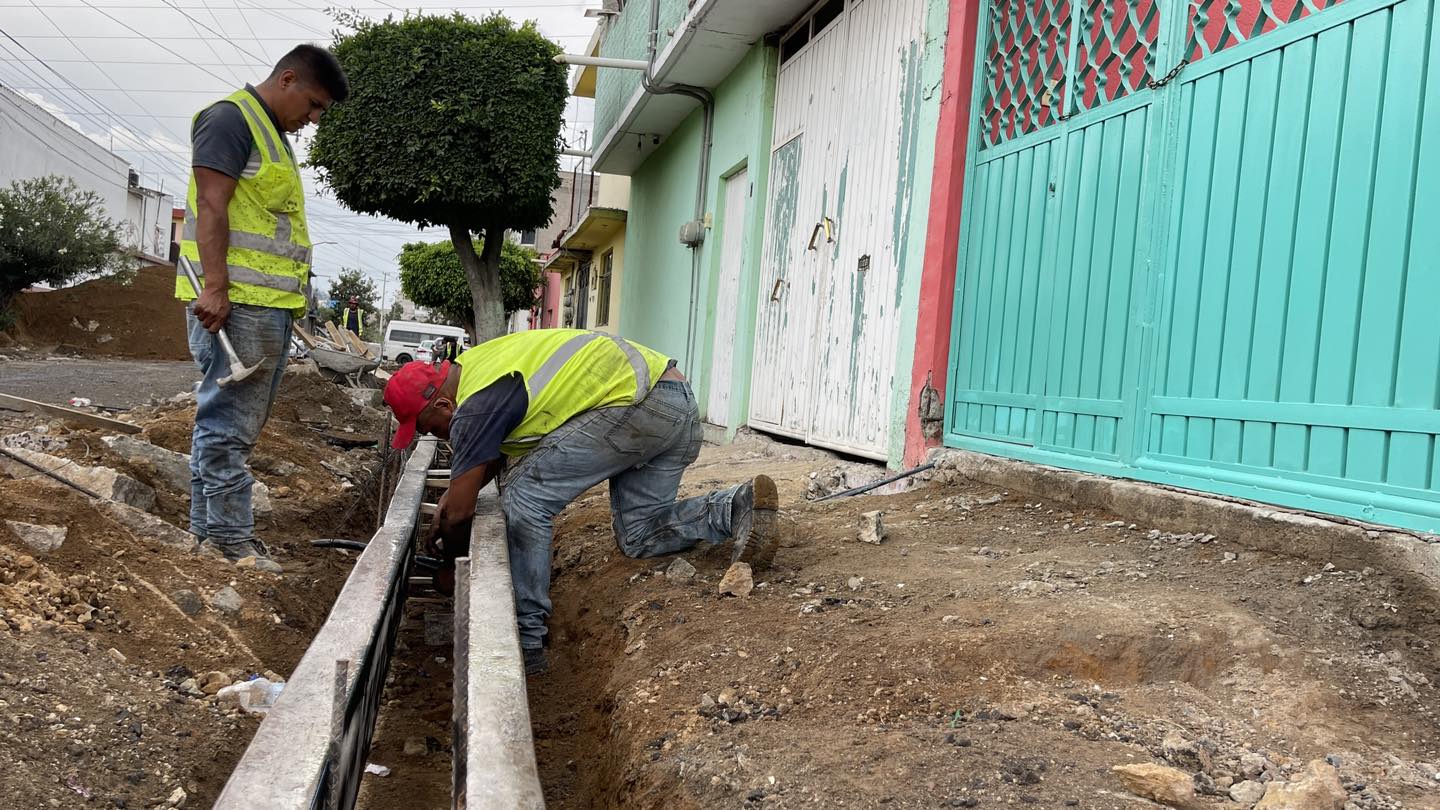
point(141, 319)
point(99, 639)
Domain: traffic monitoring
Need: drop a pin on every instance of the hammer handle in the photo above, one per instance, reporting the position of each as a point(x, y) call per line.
point(224, 338)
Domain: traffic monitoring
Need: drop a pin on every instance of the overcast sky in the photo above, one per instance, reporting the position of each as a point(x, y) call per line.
point(132, 73)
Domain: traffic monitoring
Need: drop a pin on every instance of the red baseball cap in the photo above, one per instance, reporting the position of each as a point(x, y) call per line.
point(407, 394)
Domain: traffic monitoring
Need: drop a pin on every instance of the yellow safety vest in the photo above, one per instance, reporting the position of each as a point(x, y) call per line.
point(269, 254)
point(566, 371)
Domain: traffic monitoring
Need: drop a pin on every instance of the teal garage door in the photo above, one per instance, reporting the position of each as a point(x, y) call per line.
point(1200, 247)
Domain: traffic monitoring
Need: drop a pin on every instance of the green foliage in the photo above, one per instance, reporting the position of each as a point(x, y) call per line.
point(432, 277)
point(51, 232)
point(396, 312)
point(450, 121)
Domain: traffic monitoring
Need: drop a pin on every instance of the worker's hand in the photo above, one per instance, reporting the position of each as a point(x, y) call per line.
point(434, 543)
point(212, 308)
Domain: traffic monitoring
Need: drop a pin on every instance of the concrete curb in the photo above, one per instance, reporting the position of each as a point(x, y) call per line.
point(494, 749)
point(1252, 526)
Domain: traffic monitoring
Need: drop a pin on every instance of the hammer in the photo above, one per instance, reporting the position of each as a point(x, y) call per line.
point(238, 371)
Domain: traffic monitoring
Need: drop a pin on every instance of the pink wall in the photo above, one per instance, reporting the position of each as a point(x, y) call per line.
point(942, 242)
point(550, 294)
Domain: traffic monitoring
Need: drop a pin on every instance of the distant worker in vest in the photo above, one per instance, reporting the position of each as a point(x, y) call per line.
point(567, 409)
point(245, 231)
point(353, 317)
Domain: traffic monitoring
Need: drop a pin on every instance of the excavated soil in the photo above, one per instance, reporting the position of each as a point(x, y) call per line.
point(96, 643)
point(995, 650)
point(108, 317)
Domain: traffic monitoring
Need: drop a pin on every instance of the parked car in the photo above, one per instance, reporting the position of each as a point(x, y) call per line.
point(425, 352)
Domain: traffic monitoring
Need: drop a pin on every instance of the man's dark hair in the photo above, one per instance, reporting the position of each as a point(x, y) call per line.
point(316, 64)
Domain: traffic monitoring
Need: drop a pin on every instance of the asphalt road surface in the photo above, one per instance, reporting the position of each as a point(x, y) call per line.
point(115, 382)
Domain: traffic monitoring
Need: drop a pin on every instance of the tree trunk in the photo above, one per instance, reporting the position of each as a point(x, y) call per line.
point(483, 273)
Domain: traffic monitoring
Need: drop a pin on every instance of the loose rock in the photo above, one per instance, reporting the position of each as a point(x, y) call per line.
point(227, 600)
point(188, 602)
point(1247, 792)
point(40, 538)
point(1159, 783)
point(1316, 788)
point(738, 581)
point(872, 527)
point(680, 570)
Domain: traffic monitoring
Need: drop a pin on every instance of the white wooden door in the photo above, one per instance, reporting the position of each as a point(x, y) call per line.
point(727, 298)
point(809, 108)
point(827, 331)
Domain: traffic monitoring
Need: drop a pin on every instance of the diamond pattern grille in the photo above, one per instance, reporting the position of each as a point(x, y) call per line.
point(1116, 53)
point(1025, 85)
point(1218, 24)
point(1024, 82)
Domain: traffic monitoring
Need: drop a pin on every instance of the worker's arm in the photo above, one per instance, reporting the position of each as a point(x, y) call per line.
point(450, 532)
point(213, 191)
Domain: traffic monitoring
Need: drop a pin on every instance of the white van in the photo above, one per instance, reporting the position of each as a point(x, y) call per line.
point(402, 338)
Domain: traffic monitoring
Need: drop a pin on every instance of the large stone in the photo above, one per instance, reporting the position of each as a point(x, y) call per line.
point(1187, 754)
point(188, 602)
point(1158, 783)
point(872, 527)
point(103, 481)
point(166, 465)
point(227, 599)
point(260, 500)
point(1247, 792)
point(148, 527)
point(738, 581)
point(1316, 788)
point(42, 539)
point(680, 570)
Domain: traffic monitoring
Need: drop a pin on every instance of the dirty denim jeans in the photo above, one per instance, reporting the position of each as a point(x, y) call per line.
point(642, 450)
point(228, 419)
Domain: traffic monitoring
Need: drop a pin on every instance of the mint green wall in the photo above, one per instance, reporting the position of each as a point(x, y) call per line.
point(918, 124)
point(626, 38)
point(657, 295)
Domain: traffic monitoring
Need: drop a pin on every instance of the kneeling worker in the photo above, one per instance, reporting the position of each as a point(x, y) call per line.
point(570, 409)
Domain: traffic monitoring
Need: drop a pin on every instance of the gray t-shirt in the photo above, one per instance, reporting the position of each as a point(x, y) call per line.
point(221, 140)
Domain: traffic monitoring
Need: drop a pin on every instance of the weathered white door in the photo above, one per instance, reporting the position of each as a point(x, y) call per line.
point(732, 255)
point(847, 110)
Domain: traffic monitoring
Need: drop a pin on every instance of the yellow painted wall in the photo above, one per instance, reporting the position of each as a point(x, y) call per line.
point(617, 244)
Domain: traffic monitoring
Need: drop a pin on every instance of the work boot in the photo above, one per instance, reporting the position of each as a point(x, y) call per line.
point(244, 549)
point(755, 522)
point(535, 661)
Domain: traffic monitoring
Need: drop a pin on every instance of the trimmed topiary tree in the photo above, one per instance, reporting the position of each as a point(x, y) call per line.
point(450, 122)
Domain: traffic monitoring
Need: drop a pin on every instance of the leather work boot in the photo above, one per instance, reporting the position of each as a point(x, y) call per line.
point(756, 523)
point(235, 552)
point(535, 661)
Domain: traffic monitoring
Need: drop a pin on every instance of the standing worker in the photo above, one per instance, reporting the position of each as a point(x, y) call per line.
point(353, 317)
point(245, 227)
point(570, 409)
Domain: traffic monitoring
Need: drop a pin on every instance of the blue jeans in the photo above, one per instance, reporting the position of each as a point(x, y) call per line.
point(228, 419)
point(643, 451)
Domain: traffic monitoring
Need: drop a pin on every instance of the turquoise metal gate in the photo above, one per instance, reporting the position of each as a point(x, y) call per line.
point(1198, 248)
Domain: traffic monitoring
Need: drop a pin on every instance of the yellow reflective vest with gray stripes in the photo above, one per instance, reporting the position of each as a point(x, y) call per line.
point(566, 371)
point(269, 254)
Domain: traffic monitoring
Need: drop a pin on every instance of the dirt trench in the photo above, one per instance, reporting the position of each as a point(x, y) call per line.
point(996, 649)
